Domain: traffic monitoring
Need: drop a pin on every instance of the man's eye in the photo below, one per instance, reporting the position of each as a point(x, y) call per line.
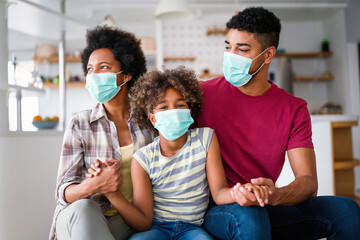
point(104, 67)
point(227, 48)
point(89, 69)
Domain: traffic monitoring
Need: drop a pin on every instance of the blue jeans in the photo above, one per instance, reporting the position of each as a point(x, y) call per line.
point(332, 217)
point(172, 230)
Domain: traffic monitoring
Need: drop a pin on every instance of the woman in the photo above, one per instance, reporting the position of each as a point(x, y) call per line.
point(112, 61)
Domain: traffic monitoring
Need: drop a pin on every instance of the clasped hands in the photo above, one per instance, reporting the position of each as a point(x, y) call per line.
point(258, 192)
point(110, 179)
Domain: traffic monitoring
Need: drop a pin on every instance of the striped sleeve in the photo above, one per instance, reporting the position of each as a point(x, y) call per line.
point(142, 156)
point(205, 135)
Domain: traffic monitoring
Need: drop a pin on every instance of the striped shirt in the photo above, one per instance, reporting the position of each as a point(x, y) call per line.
point(90, 136)
point(179, 183)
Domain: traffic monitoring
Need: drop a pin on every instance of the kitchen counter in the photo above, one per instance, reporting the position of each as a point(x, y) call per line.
point(334, 118)
point(31, 133)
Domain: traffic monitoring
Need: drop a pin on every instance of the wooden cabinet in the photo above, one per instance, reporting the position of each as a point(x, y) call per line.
point(343, 160)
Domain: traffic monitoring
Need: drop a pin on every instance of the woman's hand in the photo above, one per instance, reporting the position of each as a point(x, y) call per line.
point(110, 178)
point(95, 167)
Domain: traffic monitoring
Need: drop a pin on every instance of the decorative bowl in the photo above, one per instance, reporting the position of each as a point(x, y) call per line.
point(45, 124)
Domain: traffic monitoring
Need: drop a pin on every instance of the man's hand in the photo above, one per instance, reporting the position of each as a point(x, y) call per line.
point(265, 182)
point(250, 195)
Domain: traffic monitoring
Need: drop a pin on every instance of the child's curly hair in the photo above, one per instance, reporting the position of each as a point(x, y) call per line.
point(149, 89)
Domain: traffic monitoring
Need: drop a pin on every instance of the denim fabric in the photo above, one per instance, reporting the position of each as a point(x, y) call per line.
point(332, 217)
point(172, 230)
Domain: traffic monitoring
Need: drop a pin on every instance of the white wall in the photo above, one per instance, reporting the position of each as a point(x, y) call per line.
point(27, 180)
point(352, 17)
point(322, 143)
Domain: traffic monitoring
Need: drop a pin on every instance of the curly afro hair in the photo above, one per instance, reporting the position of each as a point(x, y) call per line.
point(148, 91)
point(263, 23)
point(124, 45)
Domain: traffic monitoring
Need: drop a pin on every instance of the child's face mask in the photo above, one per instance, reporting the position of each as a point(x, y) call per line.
point(173, 123)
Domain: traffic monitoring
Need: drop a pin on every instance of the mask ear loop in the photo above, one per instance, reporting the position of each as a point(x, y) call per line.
point(123, 82)
point(260, 54)
point(258, 70)
point(261, 64)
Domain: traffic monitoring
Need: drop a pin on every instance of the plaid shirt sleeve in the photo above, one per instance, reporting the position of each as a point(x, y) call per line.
point(72, 166)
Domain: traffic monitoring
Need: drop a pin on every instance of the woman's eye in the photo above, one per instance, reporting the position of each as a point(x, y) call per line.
point(89, 69)
point(227, 48)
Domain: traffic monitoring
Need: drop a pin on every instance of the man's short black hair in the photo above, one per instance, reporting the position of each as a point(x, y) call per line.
point(124, 45)
point(260, 21)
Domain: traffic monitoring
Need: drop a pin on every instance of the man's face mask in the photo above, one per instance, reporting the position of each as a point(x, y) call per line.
point(102, 86)
point(173, 123)
point(236, 68)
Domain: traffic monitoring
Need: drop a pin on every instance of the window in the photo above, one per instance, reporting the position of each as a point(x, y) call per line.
point(29, 101)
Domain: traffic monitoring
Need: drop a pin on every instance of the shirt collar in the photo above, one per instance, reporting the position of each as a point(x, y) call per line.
point(99, 111)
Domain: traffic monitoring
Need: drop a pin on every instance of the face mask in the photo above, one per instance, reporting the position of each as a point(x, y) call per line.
point(172, 124)
point(102, 86)
point(236, 68)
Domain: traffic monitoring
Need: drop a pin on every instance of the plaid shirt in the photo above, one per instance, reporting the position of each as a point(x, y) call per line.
point(90, 136)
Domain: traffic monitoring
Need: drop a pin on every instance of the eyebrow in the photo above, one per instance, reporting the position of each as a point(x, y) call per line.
point(239, 44)
point(99, 63)
point(179, 99)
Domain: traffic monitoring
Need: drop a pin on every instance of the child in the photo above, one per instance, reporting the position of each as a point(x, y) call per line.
point(172, 176)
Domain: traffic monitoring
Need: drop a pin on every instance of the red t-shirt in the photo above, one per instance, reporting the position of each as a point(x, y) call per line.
point(254, 132)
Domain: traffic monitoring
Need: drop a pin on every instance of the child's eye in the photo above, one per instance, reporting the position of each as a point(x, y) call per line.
point(163, 107)
point(180, 105)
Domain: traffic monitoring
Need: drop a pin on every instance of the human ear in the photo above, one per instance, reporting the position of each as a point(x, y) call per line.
point(152, 118)
point(270, 54)
point(127, 77)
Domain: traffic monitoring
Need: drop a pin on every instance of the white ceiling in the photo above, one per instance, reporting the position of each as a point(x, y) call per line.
point(30, 22)
point(32, 18)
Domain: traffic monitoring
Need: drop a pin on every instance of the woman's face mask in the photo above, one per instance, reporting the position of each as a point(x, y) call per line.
point(236, 68)
point(173, 123)
point(102, 86)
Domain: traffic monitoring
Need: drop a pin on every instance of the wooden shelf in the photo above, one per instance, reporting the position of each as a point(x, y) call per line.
point(312, 78)
point(55, 59)
point(346, 164)
point(342, 157)
point(68, 84)
point(344, 124)
point(304, 54)
point(187, 58)
point(216, 31)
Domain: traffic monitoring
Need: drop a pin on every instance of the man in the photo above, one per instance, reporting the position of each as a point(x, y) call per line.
point(257, 123)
